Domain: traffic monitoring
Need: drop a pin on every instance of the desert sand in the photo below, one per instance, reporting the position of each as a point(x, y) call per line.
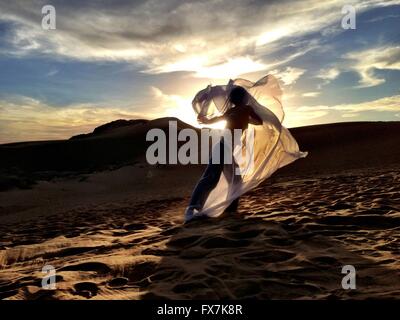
point(112, 225)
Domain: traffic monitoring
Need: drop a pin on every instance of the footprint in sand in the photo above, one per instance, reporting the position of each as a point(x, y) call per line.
point(118, 282)
point(135, 226)
point(86, 289)
point(100, 268)
point(139, 273)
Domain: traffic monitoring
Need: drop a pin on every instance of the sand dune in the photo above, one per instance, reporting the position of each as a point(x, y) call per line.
point(109, 237)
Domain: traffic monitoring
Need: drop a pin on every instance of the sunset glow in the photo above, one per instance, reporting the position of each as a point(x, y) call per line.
point(98, 66)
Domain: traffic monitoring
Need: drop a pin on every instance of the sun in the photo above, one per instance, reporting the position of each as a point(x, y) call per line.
point(183, 111)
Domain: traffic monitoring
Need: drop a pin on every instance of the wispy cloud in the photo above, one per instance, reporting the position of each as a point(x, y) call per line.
point(230, 68)
point(289, 75)
point(311, 94)
point(350, 115)
point(305, 115)
point(52, 72)
point(24, 118)
point(390, 104)
point(178, 47)
point(365, 62)
point(328, 74)
point(171, 36)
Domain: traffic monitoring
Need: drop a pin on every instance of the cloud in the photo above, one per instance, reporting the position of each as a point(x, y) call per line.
point(391, 103)
point(305, 115)
point(328, 74)
point(210, 39)
point(289, 75)
point(205, 37)
point(24, 118)
point(350, 115)
point(231, 68)
point(171, 105)
point(311, 94)
point(52, 72)
point(388, 104)
point(367, 61)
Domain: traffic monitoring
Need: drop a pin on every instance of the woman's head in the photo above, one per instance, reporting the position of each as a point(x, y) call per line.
point(238, 96)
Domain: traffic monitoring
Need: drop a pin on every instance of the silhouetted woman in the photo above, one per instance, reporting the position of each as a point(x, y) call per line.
point(237, 117)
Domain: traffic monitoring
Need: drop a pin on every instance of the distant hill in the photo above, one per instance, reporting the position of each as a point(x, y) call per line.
point(345, 146)
point(112, 145)
point(115, 143)
point(111, 126)
point(331, 147)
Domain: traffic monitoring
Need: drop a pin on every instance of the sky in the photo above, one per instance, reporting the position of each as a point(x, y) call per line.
point(109, 60)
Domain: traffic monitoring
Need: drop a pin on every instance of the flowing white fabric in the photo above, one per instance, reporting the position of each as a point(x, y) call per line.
point(273, 146)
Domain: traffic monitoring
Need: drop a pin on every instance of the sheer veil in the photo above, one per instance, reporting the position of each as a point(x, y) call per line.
point(271, 145)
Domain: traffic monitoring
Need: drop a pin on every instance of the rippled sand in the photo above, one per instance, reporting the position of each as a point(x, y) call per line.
point(289, 240)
